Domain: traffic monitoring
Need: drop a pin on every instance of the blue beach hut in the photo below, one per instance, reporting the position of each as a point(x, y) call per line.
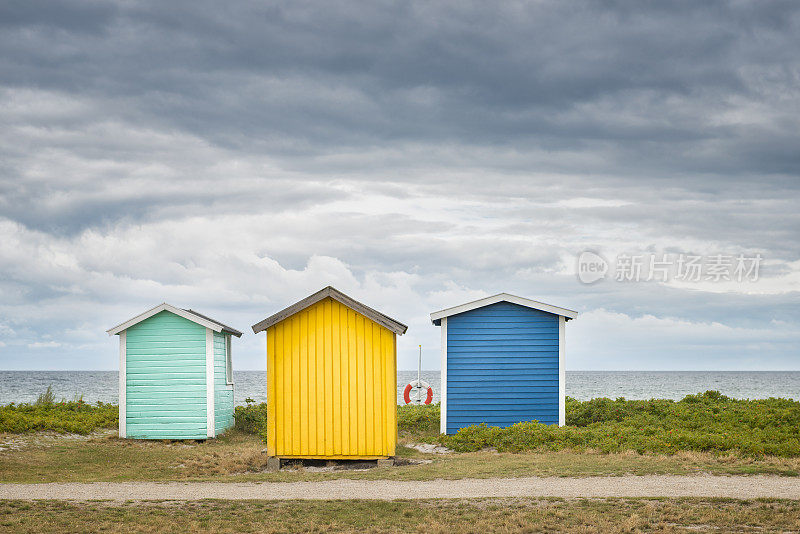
point(175, 375)
point(502, 362)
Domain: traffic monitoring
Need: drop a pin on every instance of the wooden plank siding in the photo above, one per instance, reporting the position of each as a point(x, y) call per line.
point(223, 392)
point(331, 385)
point(165, 384)
point(502, 366)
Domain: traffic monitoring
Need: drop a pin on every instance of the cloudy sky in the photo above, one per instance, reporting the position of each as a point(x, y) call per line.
point(415, 155)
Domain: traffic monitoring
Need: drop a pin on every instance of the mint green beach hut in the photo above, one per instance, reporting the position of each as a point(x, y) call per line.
point(175, 375)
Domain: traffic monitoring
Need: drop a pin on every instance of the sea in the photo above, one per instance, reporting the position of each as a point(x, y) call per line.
point(94, 386)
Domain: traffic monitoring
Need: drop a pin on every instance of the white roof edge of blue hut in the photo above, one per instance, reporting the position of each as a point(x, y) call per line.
point(186, 314)
point(503, 297)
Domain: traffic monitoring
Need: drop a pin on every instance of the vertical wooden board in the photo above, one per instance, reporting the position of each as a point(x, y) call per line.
point(562, 414)
point(332, 404)
point(391, 374)
point(287, 387)
point(280, 386)
point(123, 384)
point(209, 383)
point(364, 419)
point(385, 348)
point(443, 379)
point(271, 392)
point(286, 400)
point(378, 380)
point(312, 382)
point(303, 413)
point(310, 411)
point(389, 391)
point(345, 378)
point(274, 395)
point(370, 388)
point(278, 383)
point(358, 356)
point(338, 386)
point(286, 356)
point(296, 414)
point(352, 359)
point(223, 392)
point(320, 375)
point(393, 443)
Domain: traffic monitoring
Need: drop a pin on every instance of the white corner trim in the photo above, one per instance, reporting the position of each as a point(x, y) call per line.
point(562, 373)
point(504, 297)
point(158, 309)
point(443, 387)
point(210, 419)
point(123, 383)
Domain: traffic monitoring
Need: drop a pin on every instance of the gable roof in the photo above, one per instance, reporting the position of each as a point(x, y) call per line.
point(436, 317)
point(191, 315)
point(384, 320)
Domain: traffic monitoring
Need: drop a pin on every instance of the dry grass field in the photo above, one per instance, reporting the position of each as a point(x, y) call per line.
point(237, 456)
point(435, 516)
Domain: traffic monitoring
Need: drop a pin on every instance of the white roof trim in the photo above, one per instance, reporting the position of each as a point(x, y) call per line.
point(165, 307)
point(503, 297)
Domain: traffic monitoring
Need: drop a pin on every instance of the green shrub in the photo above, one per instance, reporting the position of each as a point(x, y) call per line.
point(708, 422)
point(422, 418)
point(251, 419)
point(48, 398)
point(45, 414)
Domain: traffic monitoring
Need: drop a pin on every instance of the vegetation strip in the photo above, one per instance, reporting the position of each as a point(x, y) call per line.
point(707, 422)
point(46, 414)
point(71, 441)
point(431, 516)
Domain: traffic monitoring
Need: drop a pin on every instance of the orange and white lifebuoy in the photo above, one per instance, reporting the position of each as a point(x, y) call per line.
point(418, 383)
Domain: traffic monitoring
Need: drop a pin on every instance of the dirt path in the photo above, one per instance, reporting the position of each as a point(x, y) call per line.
point(740, 487)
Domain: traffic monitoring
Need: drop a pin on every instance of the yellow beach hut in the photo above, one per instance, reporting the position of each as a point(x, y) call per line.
point(331, 379)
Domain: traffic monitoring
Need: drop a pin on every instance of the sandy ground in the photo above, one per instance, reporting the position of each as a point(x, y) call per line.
point(16, 442)
point(741, 487)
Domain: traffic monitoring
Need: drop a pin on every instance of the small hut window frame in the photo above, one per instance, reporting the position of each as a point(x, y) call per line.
point(228, 362)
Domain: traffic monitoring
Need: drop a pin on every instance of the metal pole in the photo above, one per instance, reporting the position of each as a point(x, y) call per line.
point(419, 377)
